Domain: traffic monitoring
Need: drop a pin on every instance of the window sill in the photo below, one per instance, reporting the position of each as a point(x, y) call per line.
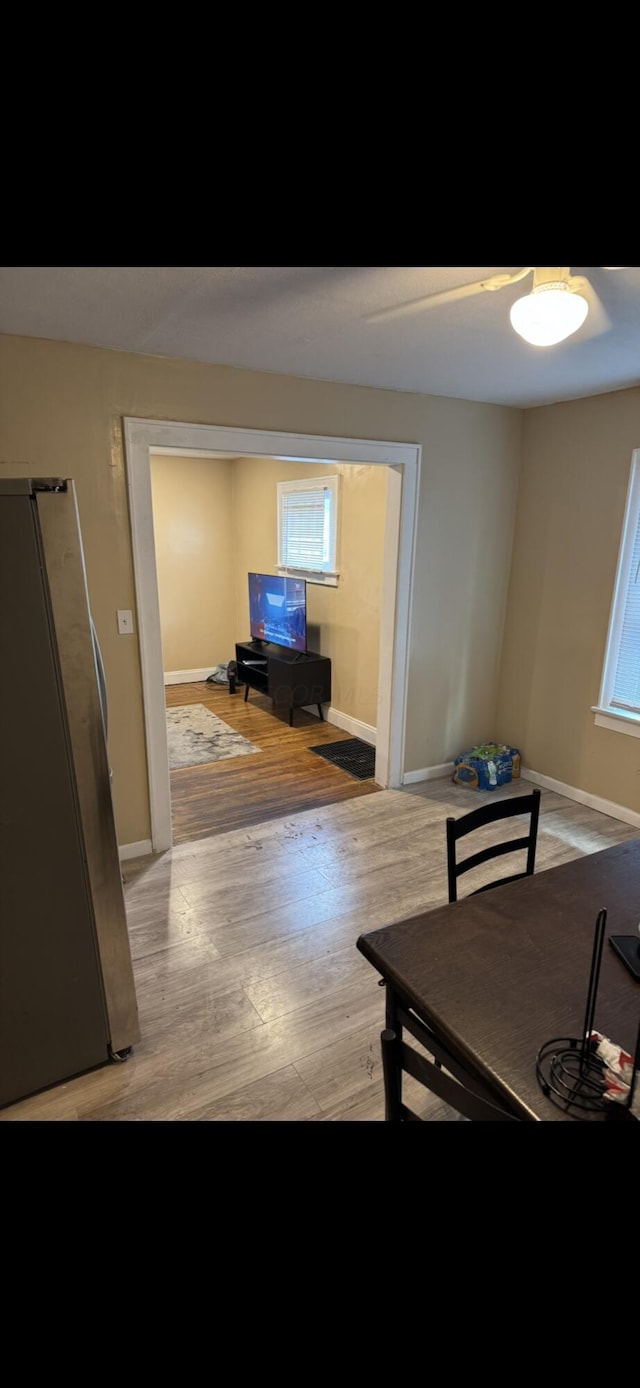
point(617, 722)
point(326, 580)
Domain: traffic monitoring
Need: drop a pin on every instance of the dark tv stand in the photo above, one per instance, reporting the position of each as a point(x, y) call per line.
point(290, 678)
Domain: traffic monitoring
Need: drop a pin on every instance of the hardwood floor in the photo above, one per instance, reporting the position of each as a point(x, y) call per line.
point(281, 779)
point(255, 1005)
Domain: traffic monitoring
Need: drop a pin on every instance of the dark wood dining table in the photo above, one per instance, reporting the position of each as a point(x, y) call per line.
point(497, 975)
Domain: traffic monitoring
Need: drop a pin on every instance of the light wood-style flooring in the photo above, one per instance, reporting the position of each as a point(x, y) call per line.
point(255, 1004)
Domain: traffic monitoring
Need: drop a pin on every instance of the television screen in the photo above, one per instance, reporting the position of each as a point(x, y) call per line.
point(278, 610)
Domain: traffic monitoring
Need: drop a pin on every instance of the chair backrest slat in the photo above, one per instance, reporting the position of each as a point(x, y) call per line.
point(490, 814)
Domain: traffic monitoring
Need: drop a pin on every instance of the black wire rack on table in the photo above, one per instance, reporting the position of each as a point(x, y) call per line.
point(569, 1070)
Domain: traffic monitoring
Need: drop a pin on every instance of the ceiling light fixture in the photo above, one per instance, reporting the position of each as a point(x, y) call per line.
point(550, 313)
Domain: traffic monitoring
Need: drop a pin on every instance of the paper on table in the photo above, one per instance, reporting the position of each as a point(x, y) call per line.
point(617, 1072)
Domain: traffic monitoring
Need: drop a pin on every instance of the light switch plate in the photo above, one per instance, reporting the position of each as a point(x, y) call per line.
point(125, 623)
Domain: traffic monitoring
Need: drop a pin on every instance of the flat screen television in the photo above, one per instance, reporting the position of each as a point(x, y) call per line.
point(278, 610)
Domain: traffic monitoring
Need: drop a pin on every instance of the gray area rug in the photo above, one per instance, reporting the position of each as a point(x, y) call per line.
point(196, 735)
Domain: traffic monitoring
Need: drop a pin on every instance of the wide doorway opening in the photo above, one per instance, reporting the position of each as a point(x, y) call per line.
point(141, 438)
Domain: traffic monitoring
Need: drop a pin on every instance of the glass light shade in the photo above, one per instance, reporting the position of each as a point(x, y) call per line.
point(548, 314)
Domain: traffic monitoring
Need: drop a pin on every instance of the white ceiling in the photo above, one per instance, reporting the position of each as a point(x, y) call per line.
point(309, 321)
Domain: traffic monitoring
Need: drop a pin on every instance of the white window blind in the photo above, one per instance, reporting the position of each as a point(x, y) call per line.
point(619, 703)
point(626, 679)
point(307, 525)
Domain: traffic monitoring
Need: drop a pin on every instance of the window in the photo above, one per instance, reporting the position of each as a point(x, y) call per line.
point(308, 527)
point(619, 703)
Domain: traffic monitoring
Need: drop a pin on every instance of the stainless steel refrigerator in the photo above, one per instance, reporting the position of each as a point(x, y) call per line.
point(67, 991)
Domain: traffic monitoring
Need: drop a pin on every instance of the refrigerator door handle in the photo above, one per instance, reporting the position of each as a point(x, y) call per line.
point(102, 683)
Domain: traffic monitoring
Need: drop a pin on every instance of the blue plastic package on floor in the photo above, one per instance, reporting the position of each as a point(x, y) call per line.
point(487, 766)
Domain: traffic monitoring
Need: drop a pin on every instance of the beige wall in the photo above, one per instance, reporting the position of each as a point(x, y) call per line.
point(215, 520)
point(193, 532)
point(344, 622)
point(467, 510)
point(575, 473)
point(61, 411)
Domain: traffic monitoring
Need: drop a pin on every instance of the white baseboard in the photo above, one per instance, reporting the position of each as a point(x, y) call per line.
point(135, 850)
point(595, 802)
point(429, 773)
point(351, 725)
point(187, 676)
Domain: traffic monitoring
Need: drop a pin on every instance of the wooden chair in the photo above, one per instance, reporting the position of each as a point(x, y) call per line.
point(478, 819)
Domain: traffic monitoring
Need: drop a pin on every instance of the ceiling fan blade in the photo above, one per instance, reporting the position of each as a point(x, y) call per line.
point(598, 320)
point(446, 296)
